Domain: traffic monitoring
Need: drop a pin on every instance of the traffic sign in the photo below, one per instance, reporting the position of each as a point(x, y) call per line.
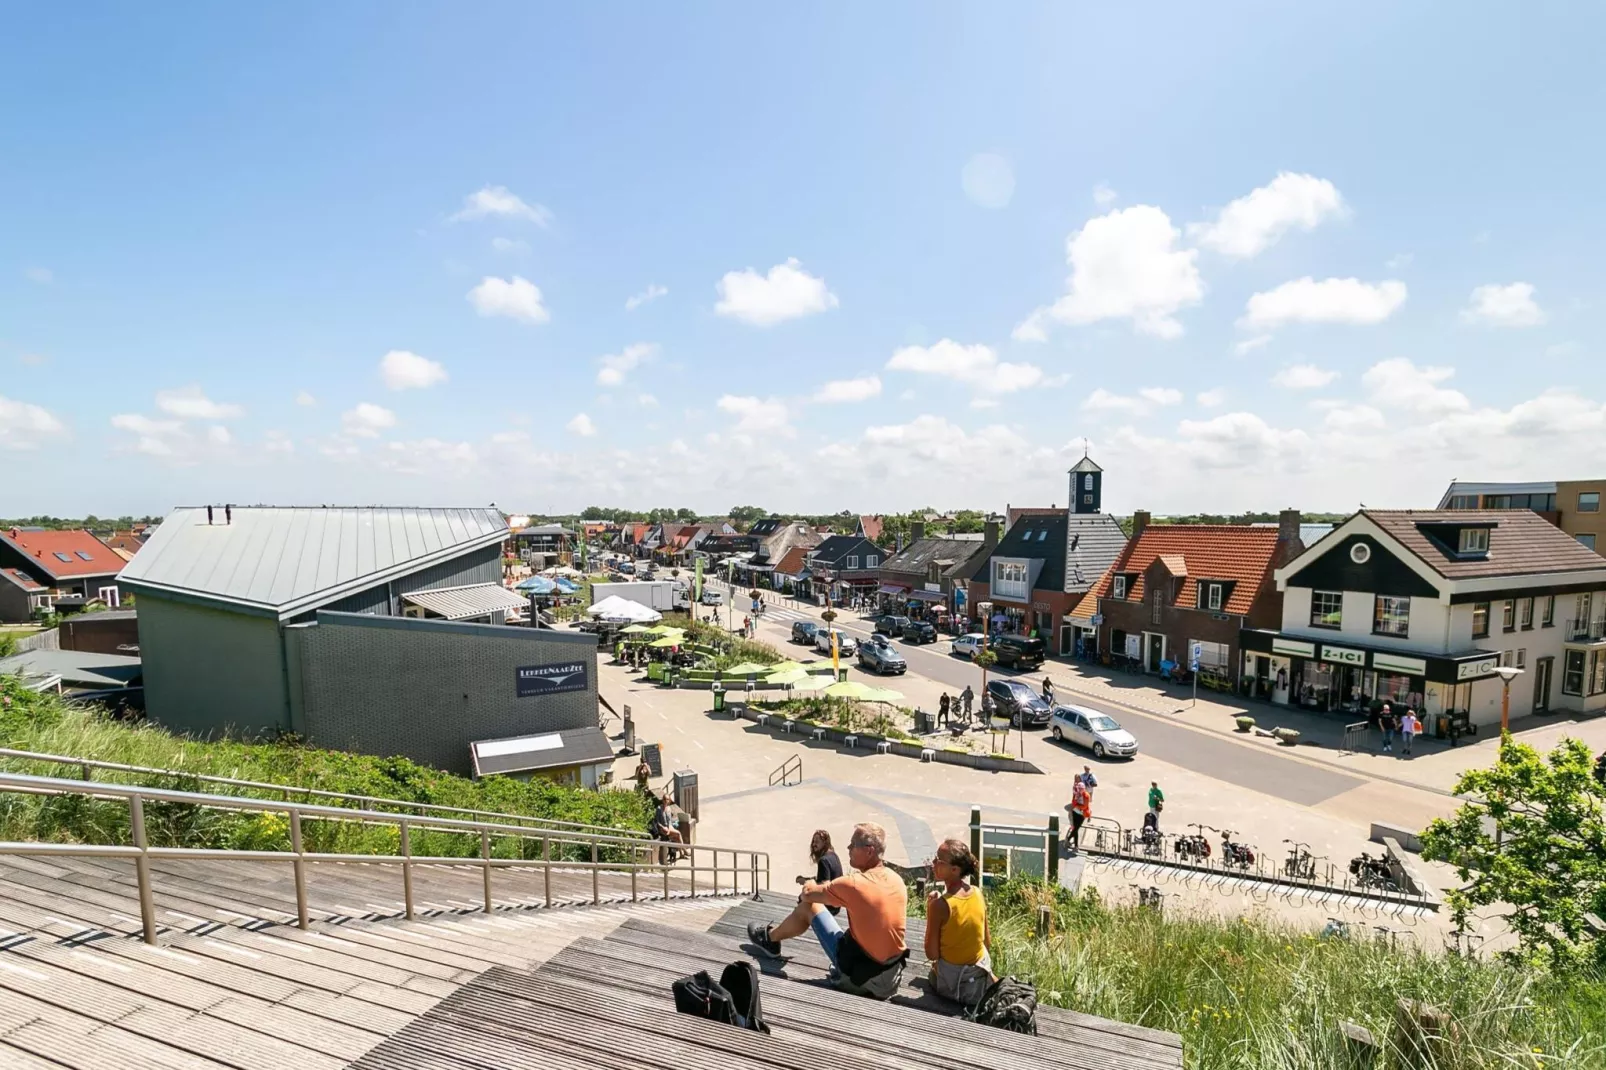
point(1197, 652)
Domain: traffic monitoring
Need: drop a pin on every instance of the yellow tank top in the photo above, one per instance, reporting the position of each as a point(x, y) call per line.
point(963, 935)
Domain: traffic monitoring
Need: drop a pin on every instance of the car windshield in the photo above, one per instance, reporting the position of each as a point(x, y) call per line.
point(1020, 689)
point(1104, 724)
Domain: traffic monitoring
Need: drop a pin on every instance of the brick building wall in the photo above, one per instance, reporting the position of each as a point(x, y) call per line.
point(426, 689)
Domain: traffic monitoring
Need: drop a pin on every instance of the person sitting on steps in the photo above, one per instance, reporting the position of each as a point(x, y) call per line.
point(868, 957)
point(957, 934)
point(665, 827)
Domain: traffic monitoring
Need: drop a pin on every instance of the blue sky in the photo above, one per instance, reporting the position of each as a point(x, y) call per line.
point(216, 222)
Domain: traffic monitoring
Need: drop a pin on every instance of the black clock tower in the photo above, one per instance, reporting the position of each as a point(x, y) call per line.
point(1087, 487)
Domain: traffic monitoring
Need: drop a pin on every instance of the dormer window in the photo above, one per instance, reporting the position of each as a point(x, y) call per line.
point(1474, 541)
point(1118, 587)
point(1213, 596)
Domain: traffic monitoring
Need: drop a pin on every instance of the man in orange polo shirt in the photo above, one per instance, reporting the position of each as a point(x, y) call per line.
point(870, 954)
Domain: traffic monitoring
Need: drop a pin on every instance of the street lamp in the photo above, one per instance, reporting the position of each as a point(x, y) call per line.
point(1507, 674)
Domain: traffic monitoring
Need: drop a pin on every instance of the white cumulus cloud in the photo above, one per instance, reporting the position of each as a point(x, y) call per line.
point(189, 403)
point(1254, 222)
point(1249, 345)
point(581, 425)
point(1504, 306)
point(402, 370)
point(1145, 401)
point(988, 180)
point(615, 366)
point(1211, 399)
point(1125, 265)
point(366, 420)
point(1104, 196)
point(652, 293)
point(755, 414)
point(26, 426)
point(846, 390)
point(1328, 301)
point(1303, 377)
point(517, 298)
point(502, 202)
point(977, 366)
point(305, 399)
point(1400, 384)
point(785, 293)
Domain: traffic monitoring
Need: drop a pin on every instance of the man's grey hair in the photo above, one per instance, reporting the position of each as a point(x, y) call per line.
point(872, 836)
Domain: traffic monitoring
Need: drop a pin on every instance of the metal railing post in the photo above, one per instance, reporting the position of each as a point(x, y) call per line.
point(596, 891)
point(752, 877)
point(407, 868)
point(142, 867)
point(691, 857)
point(634, 869)
point(300, 864)
point(485, 864)
point(546, 867)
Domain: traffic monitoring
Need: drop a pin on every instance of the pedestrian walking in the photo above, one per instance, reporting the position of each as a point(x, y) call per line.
point(1409, 727)
point(1088, 778)
point(1048, 691)
point(1081, 808)
point(1156, 797)
point(967, 696)
point(942, 710)
point(1388, 723)
point(987, 706)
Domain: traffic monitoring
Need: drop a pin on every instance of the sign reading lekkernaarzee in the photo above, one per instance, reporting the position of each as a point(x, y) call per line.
point(551, 679)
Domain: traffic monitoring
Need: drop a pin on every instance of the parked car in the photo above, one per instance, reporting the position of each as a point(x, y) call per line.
point(968, 645)
point(846, 645)
point(1098, 732)
point(627, 567)
point(881, 657)
point(919, 631)
point(890, 624)
point(1023, 706)
point(1019, 651)
point(803, 631)
point(712, 597)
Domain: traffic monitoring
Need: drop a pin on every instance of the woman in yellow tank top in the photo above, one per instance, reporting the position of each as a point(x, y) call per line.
point(957, 935)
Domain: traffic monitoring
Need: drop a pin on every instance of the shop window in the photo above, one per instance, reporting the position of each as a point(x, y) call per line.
point(1527, 613)
point(1598, 675)
point(1549, 617)
point(1391, 616)
point(1589, 501)
point(1211, 655)
point(1474, 541)
point(1508, 615)
point(1326, 609)
point(1480, 620)
point(1572, 673)
point(1118, 587)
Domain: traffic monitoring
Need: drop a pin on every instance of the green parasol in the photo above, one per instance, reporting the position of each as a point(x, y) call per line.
point(747, 668)
point(666, 641)
point(635, 629)
point(809, 682)
point(863, 692)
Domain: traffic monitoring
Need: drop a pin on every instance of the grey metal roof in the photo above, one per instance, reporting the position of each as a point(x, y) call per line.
point(548, 750)
point(946, 553)
point(470, 600)
point(1092, 543)
point(76, 668)
point(287, 560)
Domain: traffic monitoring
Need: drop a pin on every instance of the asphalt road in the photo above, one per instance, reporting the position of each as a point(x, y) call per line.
point(1201, 752)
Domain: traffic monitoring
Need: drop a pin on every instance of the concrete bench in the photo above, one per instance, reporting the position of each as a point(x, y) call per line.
point(1408, 838)
point(1405, 871)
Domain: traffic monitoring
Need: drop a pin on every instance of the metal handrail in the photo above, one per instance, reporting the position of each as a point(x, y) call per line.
point(87, 764)
point(781, 776)
point(142, 852)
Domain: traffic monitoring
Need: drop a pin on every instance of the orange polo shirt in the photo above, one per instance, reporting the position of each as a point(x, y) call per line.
point(878, 904)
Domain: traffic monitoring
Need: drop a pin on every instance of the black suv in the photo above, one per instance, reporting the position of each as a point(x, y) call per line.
point(891, 625)
point(1019, 651)
point(803, 631)
point(1023, 706)
point(920, 631)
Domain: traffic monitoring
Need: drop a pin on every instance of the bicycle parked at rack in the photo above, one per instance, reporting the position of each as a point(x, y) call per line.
point(1194, 848)
point(1237, 855)
point(1300, 865)
point(1370, 872)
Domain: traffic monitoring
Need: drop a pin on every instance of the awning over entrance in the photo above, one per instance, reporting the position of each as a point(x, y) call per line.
point(1454, 668)
point(462, 603)
point(550, 750)
point(929, 596)
point(893, 588)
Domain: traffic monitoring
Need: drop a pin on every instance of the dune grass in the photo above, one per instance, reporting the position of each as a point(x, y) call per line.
point(1261, 996)
point(46, 724)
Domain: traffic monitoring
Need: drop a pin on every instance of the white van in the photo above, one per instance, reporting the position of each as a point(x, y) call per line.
point(712, 597)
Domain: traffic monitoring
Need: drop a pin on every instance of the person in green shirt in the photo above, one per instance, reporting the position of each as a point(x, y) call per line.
point(1156, 796)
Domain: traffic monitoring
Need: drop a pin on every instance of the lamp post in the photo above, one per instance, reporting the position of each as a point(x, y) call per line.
point(1507, 674)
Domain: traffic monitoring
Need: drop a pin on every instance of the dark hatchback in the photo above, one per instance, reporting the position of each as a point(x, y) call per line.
point(920, 631)
point(1023, 706)
point(1019, 651)
point(803, 631)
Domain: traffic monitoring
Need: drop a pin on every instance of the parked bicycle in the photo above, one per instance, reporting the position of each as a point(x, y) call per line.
point(1194, 848)
point(1300, 865)
point(1372, 872)
point(1237, 855)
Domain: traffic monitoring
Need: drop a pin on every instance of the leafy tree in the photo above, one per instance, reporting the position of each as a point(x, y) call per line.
point(1532, 840)
point(686, 516)
point(744, 515)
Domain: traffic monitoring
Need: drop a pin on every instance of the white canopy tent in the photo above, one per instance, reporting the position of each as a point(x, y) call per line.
point(615, 608)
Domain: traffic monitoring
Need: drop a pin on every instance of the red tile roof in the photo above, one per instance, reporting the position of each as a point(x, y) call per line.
point(1233, 552)
point(22, 579)
point(41, 548)
point(871, 527)
point(791, 564)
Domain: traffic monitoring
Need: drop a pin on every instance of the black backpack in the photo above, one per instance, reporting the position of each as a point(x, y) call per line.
point(733, 999)
point(1009, 1003)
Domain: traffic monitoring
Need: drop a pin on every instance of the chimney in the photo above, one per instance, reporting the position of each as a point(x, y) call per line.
point(1288, 525)
point(917, 530)
point(1140, 520)
point(989, 537)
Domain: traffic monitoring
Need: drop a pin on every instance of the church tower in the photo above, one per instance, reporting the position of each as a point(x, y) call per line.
point(1087, 487)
